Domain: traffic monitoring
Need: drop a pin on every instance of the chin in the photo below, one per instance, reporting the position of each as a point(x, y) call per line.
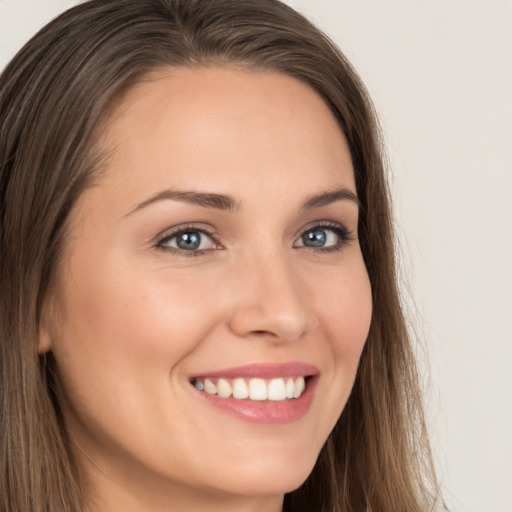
point(267, 476)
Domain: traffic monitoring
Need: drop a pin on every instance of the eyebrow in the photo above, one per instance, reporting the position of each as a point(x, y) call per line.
point(326, 198)
point(228, 203)
point(204, 199)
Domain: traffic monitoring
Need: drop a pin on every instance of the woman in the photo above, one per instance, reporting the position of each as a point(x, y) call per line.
point(199, 303)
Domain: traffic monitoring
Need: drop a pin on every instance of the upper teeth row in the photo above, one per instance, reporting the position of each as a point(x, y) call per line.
point(254, 389)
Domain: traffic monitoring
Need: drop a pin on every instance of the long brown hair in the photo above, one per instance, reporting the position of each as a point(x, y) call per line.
point(53, 96)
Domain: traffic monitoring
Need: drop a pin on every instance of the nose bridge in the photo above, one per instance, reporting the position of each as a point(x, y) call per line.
point(270, 299)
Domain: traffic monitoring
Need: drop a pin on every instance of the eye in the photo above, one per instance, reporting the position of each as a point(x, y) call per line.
point(188, 240)
point(326, 237)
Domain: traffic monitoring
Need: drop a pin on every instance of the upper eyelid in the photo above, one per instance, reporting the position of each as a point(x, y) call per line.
point(322, 224)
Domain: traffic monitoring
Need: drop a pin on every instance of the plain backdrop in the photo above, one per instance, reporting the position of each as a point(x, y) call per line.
point(440, 74)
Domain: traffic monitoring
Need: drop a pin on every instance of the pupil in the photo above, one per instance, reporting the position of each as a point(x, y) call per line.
point(315, 238)
point(189, 241)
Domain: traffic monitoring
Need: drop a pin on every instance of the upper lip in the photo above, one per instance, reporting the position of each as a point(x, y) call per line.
point(263, 370)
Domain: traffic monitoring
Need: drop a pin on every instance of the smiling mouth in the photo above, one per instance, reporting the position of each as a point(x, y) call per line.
point(253, 389)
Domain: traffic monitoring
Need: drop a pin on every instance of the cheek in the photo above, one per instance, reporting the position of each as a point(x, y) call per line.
point(345, 313)
point(345, 317)
point(118, 349)
point(343, 307)
point(120, 322)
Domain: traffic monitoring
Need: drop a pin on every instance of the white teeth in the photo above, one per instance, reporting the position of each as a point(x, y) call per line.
point(278, 389)
point(224, 389)
point(240, 389)
point(257, 389)
point(290, 388)
point(300, 385)
point(210, 387)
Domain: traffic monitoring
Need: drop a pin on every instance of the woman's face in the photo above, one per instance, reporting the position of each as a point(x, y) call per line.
point(218, 253)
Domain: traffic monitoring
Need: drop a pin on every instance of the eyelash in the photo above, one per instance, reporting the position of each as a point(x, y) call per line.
point(189, 228)
point(343, 234)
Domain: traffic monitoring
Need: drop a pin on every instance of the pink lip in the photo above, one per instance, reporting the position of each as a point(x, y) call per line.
point(264, 371)
point(266, 412)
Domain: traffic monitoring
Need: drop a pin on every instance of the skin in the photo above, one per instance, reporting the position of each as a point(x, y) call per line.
point(130, 321)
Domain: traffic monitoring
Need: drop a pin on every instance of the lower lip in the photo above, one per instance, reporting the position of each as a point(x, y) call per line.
point(265, 411)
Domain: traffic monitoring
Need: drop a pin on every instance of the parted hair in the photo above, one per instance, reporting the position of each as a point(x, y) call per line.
point(54, 95)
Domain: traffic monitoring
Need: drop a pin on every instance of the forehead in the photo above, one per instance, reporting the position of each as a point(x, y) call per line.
point(222, 126)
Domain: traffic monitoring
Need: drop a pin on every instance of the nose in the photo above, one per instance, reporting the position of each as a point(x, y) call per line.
point(270, 301)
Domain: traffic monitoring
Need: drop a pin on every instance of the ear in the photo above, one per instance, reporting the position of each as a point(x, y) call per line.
point(45, 330)
point(44, 344)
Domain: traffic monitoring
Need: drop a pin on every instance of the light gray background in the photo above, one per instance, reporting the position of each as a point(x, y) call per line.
point(440, 73)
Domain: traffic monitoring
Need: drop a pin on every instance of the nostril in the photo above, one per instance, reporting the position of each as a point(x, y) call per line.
point(263, 333)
